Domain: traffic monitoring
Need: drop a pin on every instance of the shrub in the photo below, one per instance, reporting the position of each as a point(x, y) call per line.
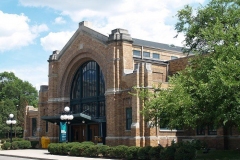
point(18, 139)
point(15, 145)
point(197, 144)
point(118, 151)
point(143, 152)
point(91, 151)
point(6, 145)
point(132, 152)
point(3, 141)
point(34, 144)
point(52, 148)
point(168, 153)
point(87, 143)
point(103, 150)
point(154, 152)
point(75, 150)
point(23, 144)
point(185, 151)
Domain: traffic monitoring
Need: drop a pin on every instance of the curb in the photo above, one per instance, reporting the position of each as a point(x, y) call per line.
point(7, 155)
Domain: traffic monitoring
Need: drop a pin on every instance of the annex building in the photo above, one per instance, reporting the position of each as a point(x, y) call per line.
point(93, 74)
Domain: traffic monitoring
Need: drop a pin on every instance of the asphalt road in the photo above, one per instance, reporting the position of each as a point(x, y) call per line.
point(13, 158)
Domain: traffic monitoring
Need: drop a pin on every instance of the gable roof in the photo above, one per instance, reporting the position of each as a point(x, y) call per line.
point(84, 27)
point(151, 44)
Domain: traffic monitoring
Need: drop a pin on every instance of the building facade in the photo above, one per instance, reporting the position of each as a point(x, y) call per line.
point(94, 75)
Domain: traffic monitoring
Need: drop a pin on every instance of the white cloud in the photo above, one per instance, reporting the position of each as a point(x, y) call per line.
point(35, 75)
point(149, 20)
point(55, 41)
point(59, 20)
point(16, 32)
point(41, 28)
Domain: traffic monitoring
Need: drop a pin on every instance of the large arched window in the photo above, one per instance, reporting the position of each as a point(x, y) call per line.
point(87, 92)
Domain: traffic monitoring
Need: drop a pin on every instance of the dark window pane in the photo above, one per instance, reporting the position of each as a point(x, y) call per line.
point(87, 92)
point(146, 54)
point(212, 130)
point(174, 57)
point(156, 56)
point(136, 53)
point(201, 130)
point(34, 126)
point(128, 118)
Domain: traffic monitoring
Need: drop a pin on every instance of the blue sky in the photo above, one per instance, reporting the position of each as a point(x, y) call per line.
point(31, 29)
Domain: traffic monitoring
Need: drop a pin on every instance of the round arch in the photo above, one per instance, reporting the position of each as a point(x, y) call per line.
point(87, 90)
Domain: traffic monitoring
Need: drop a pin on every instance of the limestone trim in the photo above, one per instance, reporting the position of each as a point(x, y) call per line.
point(135, 125)
point(61, 99)
point(142, 137)
point(115, 91)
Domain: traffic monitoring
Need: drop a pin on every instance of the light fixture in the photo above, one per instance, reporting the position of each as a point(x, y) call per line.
point(66, 116)
point(11, 121)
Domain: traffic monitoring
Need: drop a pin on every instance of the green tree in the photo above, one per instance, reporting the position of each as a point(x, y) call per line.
point(15, 95)
point(207, 91)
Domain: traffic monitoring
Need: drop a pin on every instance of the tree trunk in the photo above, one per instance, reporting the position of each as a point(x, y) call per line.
point(225, 137)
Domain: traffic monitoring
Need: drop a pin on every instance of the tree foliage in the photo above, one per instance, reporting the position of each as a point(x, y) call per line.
point(15, 95)
point(207, 91)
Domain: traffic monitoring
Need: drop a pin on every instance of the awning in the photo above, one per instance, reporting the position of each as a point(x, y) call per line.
point(78, 118)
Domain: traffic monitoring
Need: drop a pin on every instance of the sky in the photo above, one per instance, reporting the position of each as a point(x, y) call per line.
point(30, 30)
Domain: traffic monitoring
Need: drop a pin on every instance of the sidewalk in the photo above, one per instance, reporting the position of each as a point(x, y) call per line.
point(41, 154)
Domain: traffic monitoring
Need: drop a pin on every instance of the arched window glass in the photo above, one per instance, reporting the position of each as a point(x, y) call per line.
point(87, 92)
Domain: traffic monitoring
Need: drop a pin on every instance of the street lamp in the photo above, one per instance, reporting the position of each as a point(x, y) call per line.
point(66, 116)
point(11, 121)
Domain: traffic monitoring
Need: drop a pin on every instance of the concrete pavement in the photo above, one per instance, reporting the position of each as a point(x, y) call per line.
point(41, 154)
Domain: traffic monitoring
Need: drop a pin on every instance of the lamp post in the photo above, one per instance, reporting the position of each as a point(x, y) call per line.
point(66, 116)
point(11, 121)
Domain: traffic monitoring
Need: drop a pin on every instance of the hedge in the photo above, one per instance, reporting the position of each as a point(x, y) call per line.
point(177, 151)
point(23, 144)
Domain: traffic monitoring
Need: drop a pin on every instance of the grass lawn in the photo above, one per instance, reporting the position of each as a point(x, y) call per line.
point(219, 155)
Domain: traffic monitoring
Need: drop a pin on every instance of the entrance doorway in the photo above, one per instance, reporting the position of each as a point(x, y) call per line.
point(93, 131)
point(79, 133)
point(84, 132)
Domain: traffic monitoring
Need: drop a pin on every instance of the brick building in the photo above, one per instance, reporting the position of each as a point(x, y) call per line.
point(93, 75)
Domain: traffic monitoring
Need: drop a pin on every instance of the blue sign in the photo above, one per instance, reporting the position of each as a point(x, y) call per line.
point(63, 131)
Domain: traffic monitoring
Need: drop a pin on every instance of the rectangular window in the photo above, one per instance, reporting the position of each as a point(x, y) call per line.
point(174, 57)
point(128, 118)
point(201, 130)
point(155, 56)
point(46, 126)
point(146, 54)
point(137, 53)
point(34, 126)
point(212, 130)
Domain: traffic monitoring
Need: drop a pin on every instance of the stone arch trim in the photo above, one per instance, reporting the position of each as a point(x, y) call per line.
point(72, 65)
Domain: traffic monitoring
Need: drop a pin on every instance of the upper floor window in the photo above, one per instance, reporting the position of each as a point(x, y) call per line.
point(88, 89)
point(146, 54)
point(137, 53)
point(174, 57)
point(128, 118)
point(155, 56)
